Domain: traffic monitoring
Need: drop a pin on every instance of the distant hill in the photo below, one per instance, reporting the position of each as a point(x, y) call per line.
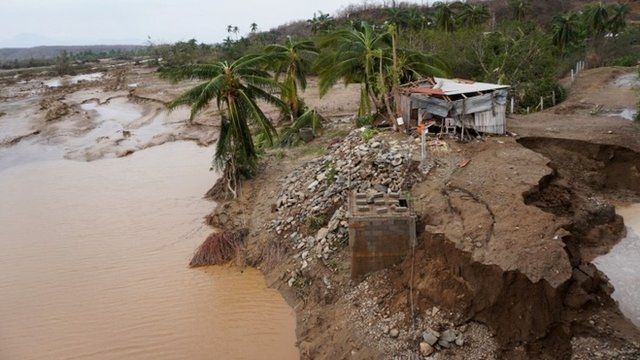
point(541, 12)
point(48, 52)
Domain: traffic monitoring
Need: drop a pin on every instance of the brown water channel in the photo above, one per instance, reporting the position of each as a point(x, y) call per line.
point(622, 267)
point(93, 266)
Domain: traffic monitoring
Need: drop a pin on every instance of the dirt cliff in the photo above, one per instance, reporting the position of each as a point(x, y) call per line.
point(507, 229)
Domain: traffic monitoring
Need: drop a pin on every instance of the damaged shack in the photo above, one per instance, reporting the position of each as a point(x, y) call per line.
point(452, 104)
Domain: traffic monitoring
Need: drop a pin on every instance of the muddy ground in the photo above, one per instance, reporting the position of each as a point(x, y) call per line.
point(505, 242)
point(116, 109)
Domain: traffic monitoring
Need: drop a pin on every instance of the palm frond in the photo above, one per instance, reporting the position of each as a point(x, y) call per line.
point(259, 118)
point(309, 119)
point(194, 71)
point(188, 97)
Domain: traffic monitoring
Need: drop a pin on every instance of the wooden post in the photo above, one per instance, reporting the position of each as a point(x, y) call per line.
point(512, 105)
point(541, 103)
point(423, 145)
point(572, 75)
point(527, 109)
point(553, 98)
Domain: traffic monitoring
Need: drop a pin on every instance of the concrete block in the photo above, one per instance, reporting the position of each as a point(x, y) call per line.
point(379, 237)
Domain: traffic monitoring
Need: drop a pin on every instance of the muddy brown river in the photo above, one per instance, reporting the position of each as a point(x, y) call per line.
point(621, 265)
point(93, 266)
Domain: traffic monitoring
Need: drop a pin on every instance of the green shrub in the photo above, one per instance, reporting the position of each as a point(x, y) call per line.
point(332, 172)
point(310, 118)
point(369, 133)
point(314, 223)
point(364, 120)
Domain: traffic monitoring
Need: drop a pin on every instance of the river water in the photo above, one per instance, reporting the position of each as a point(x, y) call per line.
point(93, 266)
point(622, 267)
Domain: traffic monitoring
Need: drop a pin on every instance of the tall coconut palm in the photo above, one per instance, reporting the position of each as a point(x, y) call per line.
point(566, 30)
point(365, 55)
point(415, 19)
point(596, 18)
point(396, 16)
point(292, 60)
point(236, 86)
point(445, 16)
point(519, 8)
point(618, 20)
point(352, 55)
point(322, 22)
point(473, 14)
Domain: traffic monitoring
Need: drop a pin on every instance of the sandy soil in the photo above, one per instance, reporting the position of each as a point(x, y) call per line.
point(592, 111)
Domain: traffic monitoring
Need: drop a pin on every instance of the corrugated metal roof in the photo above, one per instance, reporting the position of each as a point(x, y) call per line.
point(460, 86)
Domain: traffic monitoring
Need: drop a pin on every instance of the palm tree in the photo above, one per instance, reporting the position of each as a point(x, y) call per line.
point(416, 19)
point(519, 8)
point(293, 60)
point(353, 55)
point(365, 55)
point(236, 87)
point(566, 30)
point(322, 22)
point(413, 65)
point(473, 14)
point(395, 15)
point(445, 16)
point(227, 43)
point(596, 18)
point(253, 27)
point(618, 20)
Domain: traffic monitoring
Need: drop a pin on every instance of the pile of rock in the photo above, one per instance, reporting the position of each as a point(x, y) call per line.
point(433, 340)
point(312, 203)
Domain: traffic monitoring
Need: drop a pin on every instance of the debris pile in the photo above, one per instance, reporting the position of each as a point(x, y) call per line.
point(312, 203)
point(393, 330)
point(55, 108)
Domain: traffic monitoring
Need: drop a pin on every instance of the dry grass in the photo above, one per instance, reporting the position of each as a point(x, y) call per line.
point(219, 248)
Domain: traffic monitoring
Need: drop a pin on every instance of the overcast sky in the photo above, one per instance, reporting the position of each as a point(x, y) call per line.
point(80, 22)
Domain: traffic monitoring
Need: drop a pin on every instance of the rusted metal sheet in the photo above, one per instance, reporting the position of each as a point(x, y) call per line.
point(424, 90)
